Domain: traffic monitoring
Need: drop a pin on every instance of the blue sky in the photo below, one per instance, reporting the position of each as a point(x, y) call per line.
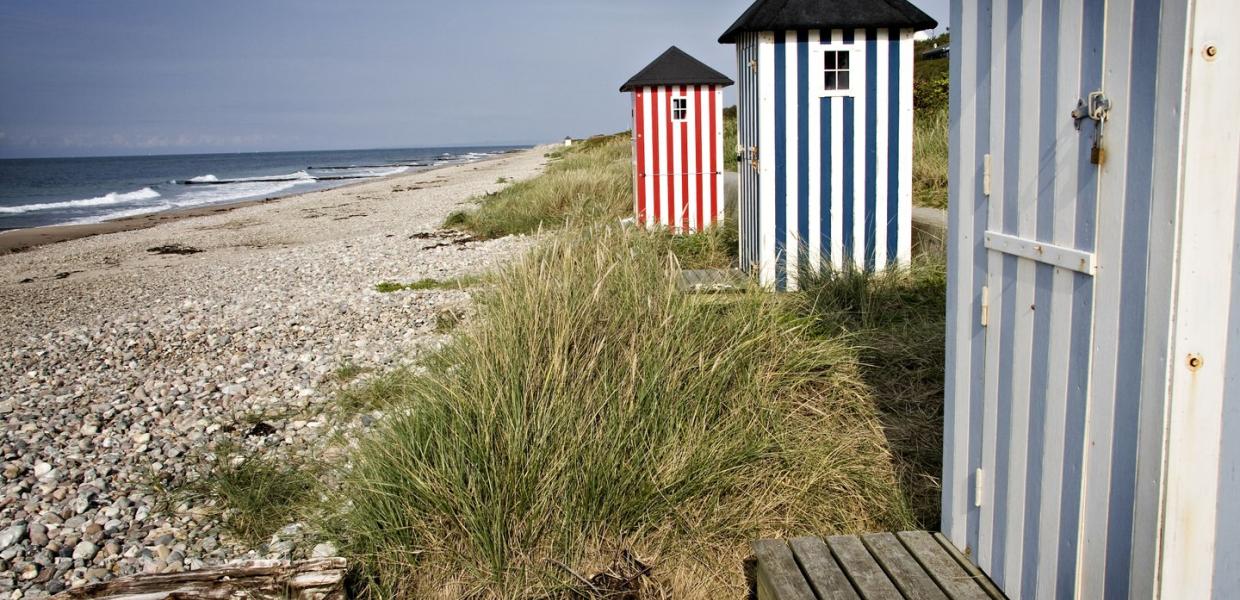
point(170, 76)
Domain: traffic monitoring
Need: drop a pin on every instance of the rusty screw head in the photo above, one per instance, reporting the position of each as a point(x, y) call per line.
point(1211, 52)
point(1195, 362)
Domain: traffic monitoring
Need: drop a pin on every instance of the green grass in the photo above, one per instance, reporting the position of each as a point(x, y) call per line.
point(347, 371)
point(455, 283)
point(897, 321)
point(598, 410)
point(253, 495)
point(589, 182)
point(729, 138)
point(930, 158)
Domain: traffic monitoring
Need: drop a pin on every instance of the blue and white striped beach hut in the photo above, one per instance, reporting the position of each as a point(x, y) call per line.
point(1092, 423)
point(825, 134)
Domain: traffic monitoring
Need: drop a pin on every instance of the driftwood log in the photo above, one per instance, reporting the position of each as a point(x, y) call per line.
point(317, 579)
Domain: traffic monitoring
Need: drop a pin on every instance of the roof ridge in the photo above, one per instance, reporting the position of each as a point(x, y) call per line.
point(789, 15)
point(676, 67)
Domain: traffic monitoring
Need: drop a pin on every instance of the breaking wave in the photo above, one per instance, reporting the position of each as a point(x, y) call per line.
point(105, 200)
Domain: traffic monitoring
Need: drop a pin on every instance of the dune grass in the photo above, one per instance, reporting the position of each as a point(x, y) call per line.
point(599, 410)
point(930, 158)
point(729, 138)
point(896, 320)
point(589, 182)
point(253, 495)
point(455, 283)
point(590, 411)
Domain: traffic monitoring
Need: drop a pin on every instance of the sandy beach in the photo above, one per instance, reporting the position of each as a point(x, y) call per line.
point(120, 365)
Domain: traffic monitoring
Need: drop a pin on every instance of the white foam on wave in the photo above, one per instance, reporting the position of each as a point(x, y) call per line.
point(205, 179)
point(202, 196)
point(228, 192)
point(105, 200)
point(298, 176)
point(381, 172)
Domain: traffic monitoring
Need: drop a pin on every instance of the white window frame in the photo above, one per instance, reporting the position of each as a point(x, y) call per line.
point(819, 79)
point(686, 109)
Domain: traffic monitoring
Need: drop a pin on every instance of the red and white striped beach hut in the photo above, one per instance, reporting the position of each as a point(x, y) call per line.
point(678, 142)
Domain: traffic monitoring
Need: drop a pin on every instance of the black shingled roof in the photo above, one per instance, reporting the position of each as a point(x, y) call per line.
point(674, 67)
point(794, 15)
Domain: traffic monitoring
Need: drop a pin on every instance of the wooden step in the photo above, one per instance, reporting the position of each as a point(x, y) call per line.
point(910, 565)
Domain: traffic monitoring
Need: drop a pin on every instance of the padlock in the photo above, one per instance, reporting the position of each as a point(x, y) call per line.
point(1097, 154)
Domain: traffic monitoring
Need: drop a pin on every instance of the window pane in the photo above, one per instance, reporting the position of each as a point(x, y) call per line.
point(842, 80)
point(842, 61)
point(829, 60)
point(830, 83)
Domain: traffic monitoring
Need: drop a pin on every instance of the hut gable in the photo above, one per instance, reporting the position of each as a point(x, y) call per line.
point(675, 67)
point(794, 15)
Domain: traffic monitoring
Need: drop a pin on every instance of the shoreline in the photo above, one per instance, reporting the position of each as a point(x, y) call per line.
point(13, 241)
point(127, 368)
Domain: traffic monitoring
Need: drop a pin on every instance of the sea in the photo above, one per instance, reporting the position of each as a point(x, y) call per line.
point(36, 192)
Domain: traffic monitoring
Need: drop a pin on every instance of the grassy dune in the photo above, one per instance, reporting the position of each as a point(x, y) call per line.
point(930, 158)
point(591, 413)
point(591, 182)
point(594, 409)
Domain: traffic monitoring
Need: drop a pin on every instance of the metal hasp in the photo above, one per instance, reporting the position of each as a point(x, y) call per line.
point(1097, 109)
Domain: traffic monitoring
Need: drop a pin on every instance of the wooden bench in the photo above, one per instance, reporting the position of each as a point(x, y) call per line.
point(911, 565)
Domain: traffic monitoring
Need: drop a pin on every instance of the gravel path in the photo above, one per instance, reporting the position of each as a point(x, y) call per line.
point(120, 367)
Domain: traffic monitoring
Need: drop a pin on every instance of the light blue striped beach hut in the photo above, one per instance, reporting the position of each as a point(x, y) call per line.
point(825, 134)
point(1092, 423)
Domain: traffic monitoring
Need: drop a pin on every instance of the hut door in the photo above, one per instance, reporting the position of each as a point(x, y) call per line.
point(1040, 188)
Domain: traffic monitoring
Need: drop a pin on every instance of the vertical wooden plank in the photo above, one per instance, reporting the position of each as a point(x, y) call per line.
point(1200, 321)
point(766, 158)
point(1022, 185)
point(779, 577)
point(962, 246)
point(905, 572)
point(939, 565)
point(865, 574)
point(821, 571)
point(988, 538)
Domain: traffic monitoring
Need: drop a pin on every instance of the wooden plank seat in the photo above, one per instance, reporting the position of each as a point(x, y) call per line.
point(910, 565)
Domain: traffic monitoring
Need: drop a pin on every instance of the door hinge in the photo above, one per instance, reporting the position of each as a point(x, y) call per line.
point(986, 175)
point(985, 306)
point(977, 488)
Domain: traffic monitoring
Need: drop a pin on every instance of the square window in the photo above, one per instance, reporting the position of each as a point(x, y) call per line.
point(835, 70)
point(680, 109)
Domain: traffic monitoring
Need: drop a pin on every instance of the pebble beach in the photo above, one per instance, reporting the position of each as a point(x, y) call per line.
point(126, 357)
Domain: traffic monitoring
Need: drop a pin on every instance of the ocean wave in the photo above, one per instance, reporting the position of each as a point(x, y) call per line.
point(205, 179)
point(216, 194)
point(381, 172)
point(298, 176)
point(105, 200)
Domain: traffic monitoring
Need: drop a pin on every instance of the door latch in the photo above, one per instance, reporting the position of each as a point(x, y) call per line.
point(1096, 108)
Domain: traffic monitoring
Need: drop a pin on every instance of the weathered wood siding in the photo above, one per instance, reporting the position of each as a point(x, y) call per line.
point(1082, 458)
